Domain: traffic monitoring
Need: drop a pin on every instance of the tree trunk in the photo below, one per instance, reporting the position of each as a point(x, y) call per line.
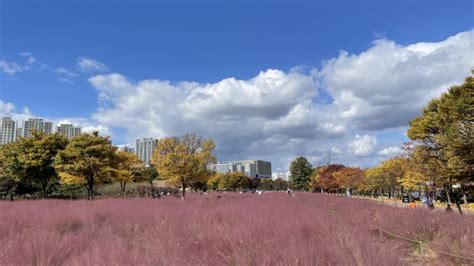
point(43, 189)
point(90, 189)
point(458, 206)
point(448, 196)
point(184, 191)
point(122, 186)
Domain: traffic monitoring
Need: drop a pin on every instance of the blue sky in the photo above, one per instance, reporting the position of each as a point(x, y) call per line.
point(206, 43)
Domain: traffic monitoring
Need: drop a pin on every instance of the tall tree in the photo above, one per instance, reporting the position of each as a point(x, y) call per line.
point(11, 170)
point(37, 157)
point(183, 161)
point(445, 131)
point(301, 171)
point(87, 160)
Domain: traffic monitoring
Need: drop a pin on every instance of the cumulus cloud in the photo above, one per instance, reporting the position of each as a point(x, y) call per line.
point(391, 151)
point(6, 108)
point(363, 145)
point(388, 84)
point(10, 110)
point(275, 116)
point(85, 64)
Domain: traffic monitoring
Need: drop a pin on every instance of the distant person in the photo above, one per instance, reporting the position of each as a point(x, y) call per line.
point(288, 191)
point(430, 205)
point(448, 208)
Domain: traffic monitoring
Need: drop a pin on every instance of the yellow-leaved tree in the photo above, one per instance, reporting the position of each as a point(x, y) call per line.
point(183, 160)
point(128, 168)
point(88, 160)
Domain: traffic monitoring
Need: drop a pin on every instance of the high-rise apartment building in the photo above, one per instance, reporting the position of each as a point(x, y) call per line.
point(68, 130)
point(7, 130)
point(251, 168)
point(144, 149)
point(38, 125)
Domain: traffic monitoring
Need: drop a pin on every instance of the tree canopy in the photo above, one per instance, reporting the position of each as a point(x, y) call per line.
point(301, 171)
point(444, 133)
point(183, 160)
point(88, 159)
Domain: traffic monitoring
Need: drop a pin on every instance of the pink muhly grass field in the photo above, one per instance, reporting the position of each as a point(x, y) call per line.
point(237, 229)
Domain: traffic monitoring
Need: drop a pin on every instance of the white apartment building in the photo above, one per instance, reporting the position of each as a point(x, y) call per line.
point(144, 149)
point(7, 130)
point(36, 124)
point(68, 130)
point(251, 168)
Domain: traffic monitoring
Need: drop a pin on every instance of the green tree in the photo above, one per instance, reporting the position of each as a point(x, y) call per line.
point(445, 132)
point(88, 160)
point(266, 184)
point(37, 157)
point(149, 174)
point(11, 170)
point(301, 171)
point(183, 161)
point(234, 181)
point(214, 181)
point(280, 184)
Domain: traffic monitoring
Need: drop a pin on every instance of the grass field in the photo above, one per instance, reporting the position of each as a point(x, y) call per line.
point(236, 229)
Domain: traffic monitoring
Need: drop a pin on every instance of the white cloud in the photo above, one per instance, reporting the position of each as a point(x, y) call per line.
point(10, 110)
point(391, 151)
point(65, 75)
point(30, 59)
point(363, 145)
point(388, 84)
point(64, 72)
point(6, 108)
point(90, 65)
point(275, 116)
point(11, 68)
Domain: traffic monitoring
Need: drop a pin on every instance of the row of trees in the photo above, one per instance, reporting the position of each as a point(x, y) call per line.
point(239, 181)
point(438, 160)
point(440, 157)
point(51, 165)
point(46, 164)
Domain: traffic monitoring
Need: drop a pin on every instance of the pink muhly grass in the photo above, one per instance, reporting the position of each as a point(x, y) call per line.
point(238, 229)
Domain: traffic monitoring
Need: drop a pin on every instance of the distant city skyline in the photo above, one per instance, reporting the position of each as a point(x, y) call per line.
point(271, 81)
